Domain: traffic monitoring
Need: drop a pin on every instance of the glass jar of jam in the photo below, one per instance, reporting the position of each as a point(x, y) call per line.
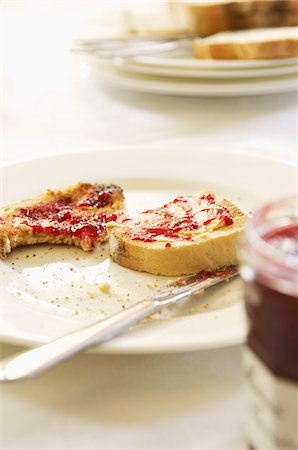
point(270, 273)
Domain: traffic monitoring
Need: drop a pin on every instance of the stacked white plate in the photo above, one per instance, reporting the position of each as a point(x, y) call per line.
point(178, 73)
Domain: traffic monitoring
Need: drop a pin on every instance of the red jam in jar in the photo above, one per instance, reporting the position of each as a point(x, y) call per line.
point(270, 272)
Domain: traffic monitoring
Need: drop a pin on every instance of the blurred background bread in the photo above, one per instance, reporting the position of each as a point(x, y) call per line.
point(204, 17)
point(209, 17)
point(156, 19)
point(261, 43)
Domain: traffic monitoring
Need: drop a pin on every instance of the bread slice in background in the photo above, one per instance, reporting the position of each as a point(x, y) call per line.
point(206, 17)
point(76, 216)
point(265, 43)
point(213, 244)
point(154, 19)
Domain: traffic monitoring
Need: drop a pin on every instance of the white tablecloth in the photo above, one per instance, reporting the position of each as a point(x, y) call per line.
point(184, 401)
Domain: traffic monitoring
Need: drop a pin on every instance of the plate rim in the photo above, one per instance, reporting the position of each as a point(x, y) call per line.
point(202, 72)
point(134, 148)
point(218, 64)
point(205, 73)
point(200, 87)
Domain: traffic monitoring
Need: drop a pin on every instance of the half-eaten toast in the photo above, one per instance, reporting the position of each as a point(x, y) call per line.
point(76, 216)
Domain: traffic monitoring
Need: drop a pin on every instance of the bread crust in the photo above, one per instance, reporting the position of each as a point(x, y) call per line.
point(182, 257)
point(14, 231)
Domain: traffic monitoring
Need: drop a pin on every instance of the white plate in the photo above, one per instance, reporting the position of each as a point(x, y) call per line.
point(201, 72)
point(191, 86)
point(48, 291)
point(183, 59)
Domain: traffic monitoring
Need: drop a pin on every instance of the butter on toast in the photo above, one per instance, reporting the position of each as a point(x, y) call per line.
point(75, 216)
point(187, 235)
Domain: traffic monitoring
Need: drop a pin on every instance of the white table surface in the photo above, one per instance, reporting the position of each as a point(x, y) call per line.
point(185, 401)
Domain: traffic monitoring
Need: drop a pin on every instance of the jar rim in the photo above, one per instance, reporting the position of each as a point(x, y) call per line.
point(263, 247)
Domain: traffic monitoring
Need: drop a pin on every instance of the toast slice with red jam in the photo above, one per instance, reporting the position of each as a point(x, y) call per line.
point(187, 235)
point(75, 216)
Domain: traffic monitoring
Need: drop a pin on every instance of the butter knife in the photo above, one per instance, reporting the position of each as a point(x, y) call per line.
point(32, 362)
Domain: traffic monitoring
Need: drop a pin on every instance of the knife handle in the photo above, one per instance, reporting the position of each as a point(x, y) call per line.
point(31, 362)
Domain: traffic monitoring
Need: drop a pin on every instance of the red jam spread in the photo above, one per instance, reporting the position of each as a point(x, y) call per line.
point(77, 216)
point(96, 199)
point(185, 214)
point(205, 274)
